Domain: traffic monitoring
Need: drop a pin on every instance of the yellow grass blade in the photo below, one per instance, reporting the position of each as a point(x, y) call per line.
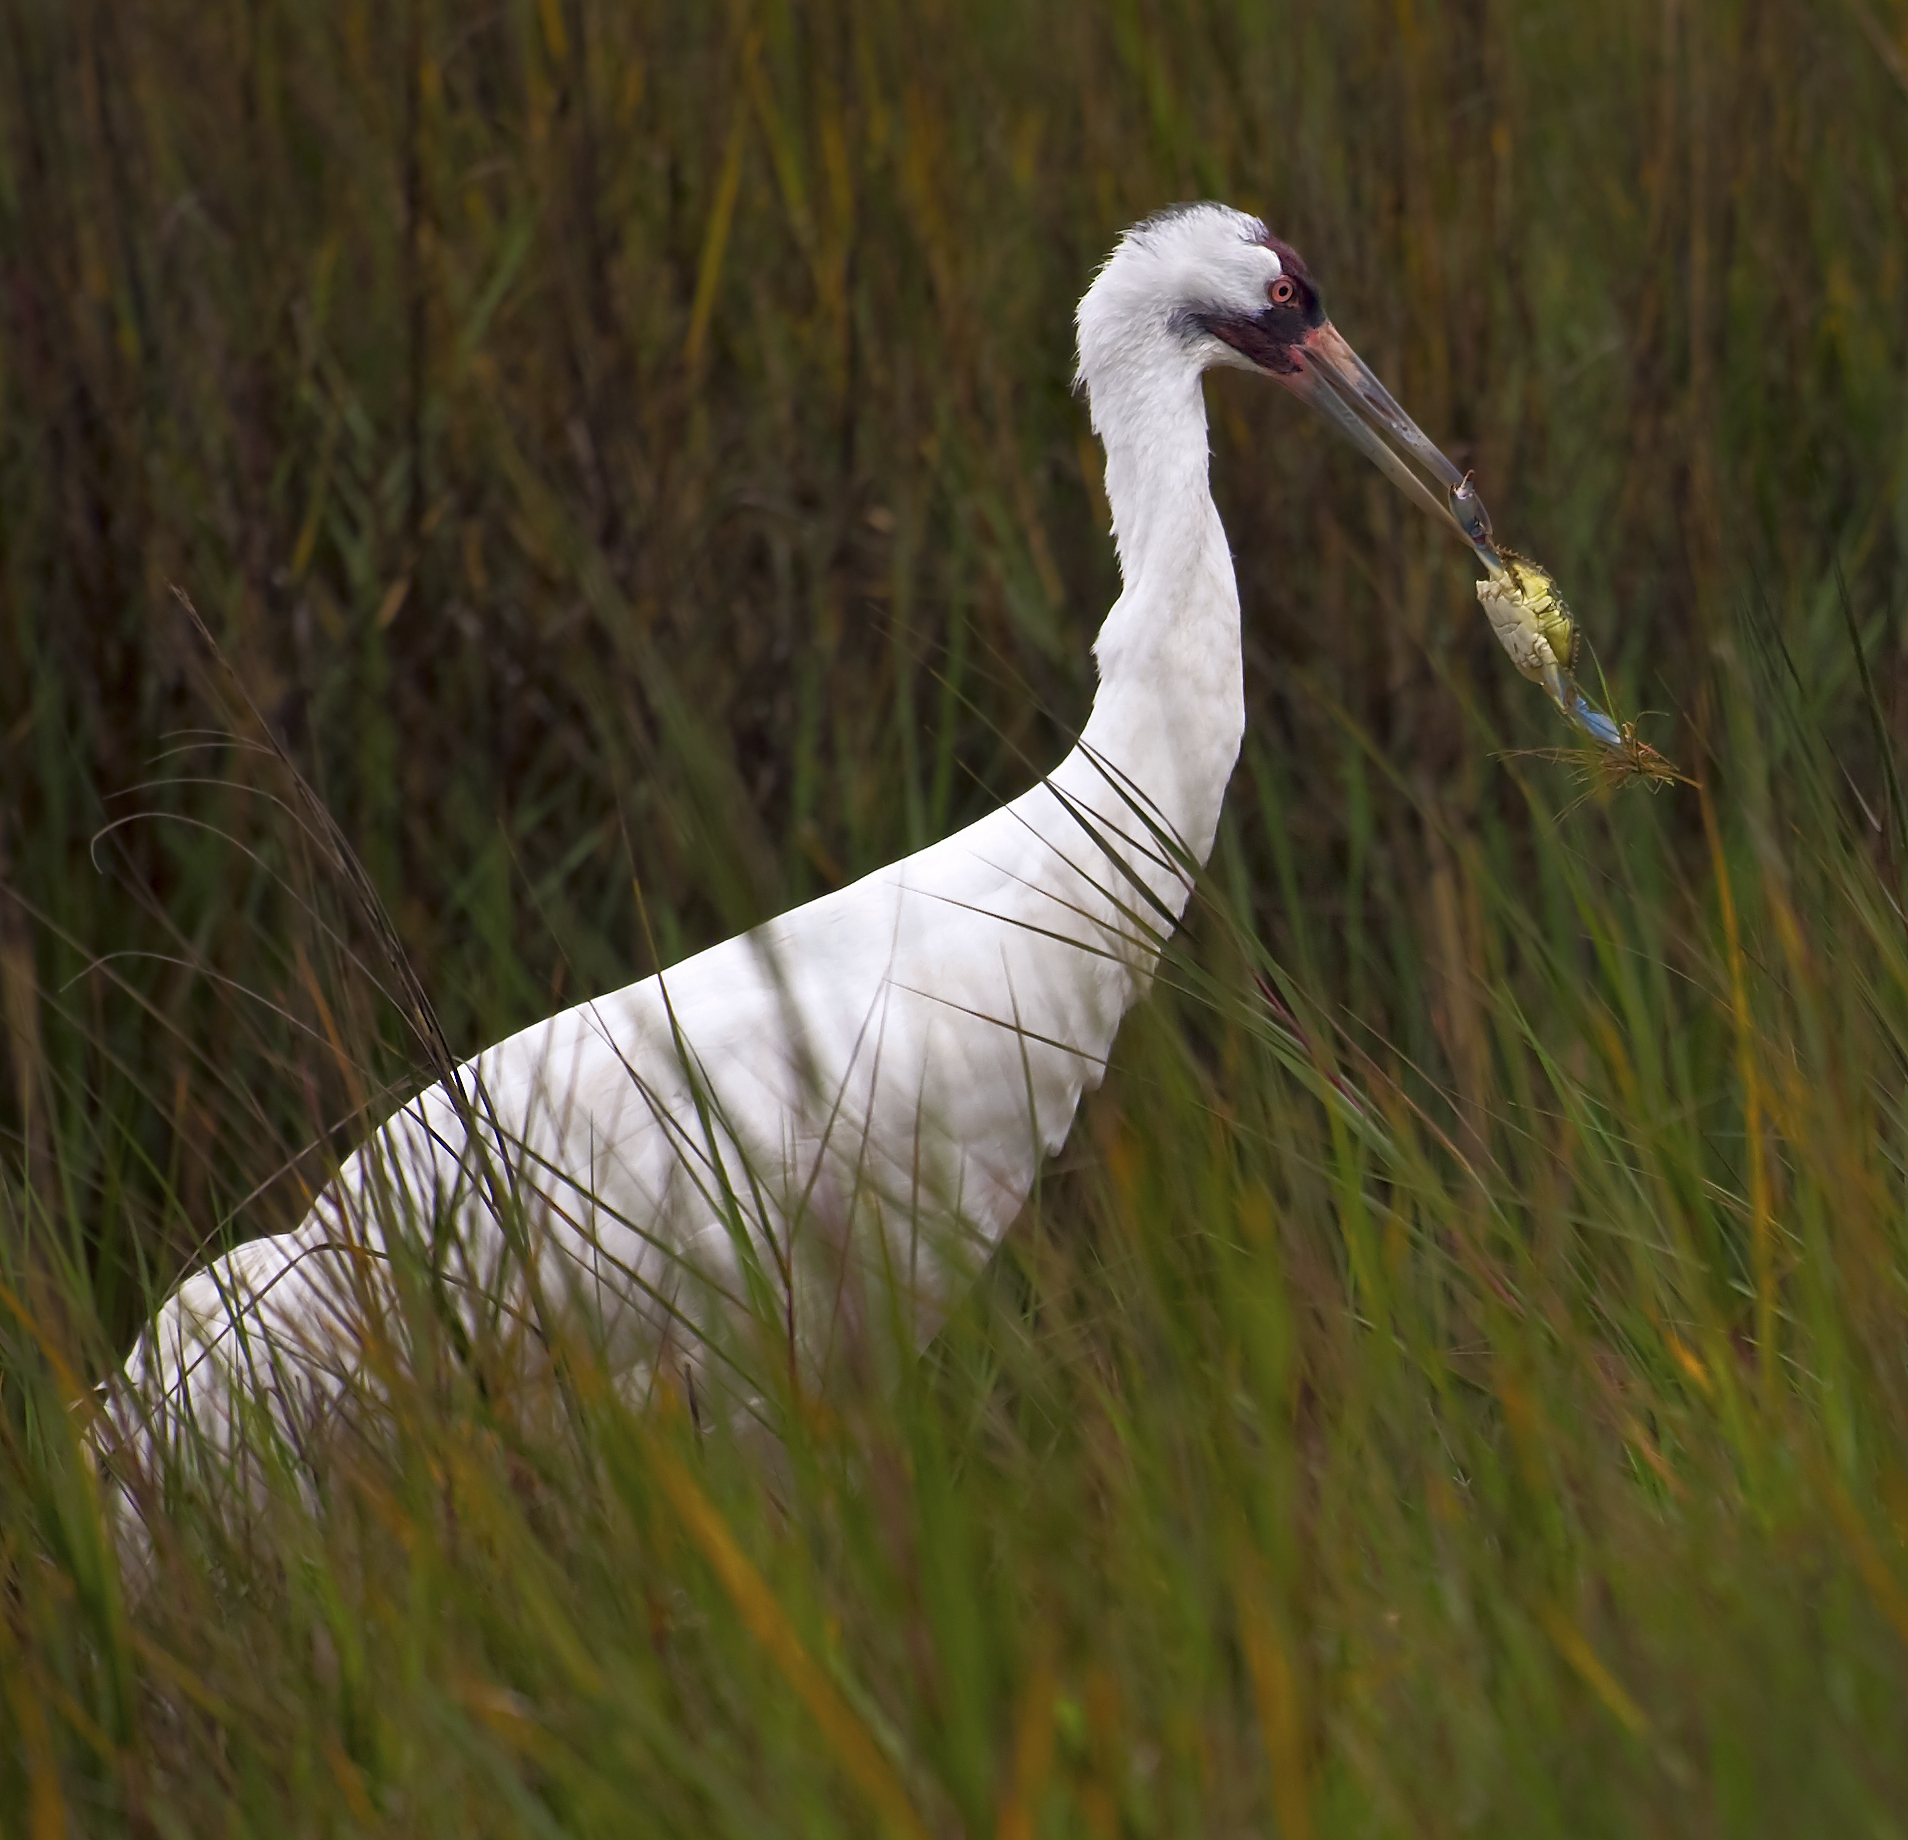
point(1033, 1755)
point(715, 236)
point(46, 1804)
point(1876, 1573)
point(854, 1746)
point(1762, 1226)
point(1572, 1645)
point(1276, 1692)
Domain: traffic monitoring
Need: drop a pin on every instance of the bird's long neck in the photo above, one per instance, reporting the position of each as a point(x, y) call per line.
point(1170, 712)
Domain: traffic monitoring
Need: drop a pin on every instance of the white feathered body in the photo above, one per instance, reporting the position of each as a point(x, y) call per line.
point(851, 1101)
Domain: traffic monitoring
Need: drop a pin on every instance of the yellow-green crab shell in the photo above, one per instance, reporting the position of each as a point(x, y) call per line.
point(1531, 621)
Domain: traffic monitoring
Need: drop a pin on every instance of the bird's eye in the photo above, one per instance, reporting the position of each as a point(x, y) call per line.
point(1283, 291)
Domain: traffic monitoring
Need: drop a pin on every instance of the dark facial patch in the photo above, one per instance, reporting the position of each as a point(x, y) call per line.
point(1269, 350)
point(1268, 336)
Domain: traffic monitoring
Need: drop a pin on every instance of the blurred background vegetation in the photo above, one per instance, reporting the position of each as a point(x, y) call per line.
point(627, 453)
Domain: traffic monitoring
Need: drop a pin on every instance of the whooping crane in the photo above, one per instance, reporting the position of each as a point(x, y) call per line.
point(839, 1113)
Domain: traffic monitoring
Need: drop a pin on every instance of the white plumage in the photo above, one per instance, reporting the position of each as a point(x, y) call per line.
point(843, 1110)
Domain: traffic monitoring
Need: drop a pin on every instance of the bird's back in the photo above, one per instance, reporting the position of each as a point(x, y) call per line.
point(854, 1094)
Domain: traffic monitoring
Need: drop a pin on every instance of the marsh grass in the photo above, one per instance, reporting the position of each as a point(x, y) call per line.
point(1453, 1381)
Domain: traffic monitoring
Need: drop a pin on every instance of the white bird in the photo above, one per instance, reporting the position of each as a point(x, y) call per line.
point(821, 1127)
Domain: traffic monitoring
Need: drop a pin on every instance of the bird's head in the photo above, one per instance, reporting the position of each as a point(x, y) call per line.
point(1201, 286)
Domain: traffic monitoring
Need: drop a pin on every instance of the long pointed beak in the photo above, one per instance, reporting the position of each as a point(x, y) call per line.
point(1342, 387)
